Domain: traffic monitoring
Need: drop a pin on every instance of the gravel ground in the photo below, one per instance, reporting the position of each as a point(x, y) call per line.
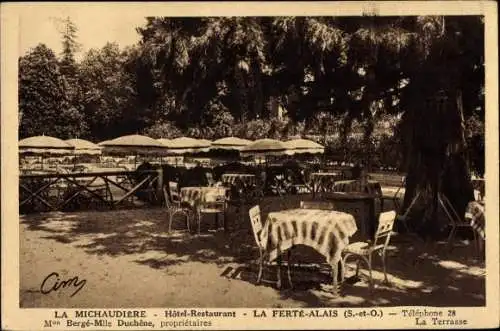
point(127, 259)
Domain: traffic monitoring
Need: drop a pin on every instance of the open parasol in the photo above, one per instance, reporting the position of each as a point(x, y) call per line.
point(44, 145)
point(205, 142)
point(264, 147)
point(102, 143)
point(164, 141)
point(133, 144)
point(230, 143)
point(186, 145)
point(303, 146)
point(84, 147)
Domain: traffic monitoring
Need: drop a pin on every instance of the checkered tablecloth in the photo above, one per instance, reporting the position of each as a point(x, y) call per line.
point(371, 187)
point(475, 215)
point(246, 179)
point(326, 231)
point(195, 195)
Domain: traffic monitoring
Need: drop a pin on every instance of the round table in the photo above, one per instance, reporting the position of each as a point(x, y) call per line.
point(361, 206)
point(326, 231)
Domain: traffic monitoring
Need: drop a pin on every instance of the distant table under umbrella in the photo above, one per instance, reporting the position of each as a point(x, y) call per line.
point(31, 189)
point(228, 148)
point(264, 148)
point(186, 145)
point(134, 145)
point(230, 143)
point(303, 146)
point(44, 145)
point(84, 147)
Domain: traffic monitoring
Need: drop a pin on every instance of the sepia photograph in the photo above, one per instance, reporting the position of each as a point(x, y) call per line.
point(251, 161)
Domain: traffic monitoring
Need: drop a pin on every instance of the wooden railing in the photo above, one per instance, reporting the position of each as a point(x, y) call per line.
point(69, 191)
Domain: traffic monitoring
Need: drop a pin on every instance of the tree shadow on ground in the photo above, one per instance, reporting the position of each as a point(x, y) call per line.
point(139, 232)
point(421, 274)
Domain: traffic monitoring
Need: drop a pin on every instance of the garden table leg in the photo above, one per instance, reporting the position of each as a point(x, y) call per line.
point(279, 267)
point(225, 218)
point(335, 273)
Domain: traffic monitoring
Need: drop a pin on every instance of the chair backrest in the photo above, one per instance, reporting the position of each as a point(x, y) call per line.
point(317, 205)
point(173, 188)
point(166, 198)
point(385, 226)
point(401, 185)
point(450, 211)
point(477, 195)
point(254, 214)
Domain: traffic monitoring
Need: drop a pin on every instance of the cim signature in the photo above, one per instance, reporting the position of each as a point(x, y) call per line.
point(53, 283)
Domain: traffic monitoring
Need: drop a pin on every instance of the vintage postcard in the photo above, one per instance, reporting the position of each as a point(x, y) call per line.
point(249, 165)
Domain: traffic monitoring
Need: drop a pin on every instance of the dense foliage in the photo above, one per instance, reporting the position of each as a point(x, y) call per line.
point(337, 77)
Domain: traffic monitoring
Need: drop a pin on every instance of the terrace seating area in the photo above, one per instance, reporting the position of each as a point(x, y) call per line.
point(317, 220)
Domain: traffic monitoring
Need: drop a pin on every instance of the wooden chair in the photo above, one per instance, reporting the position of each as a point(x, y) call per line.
point(212, 207)
point(363, 251)
point(317, 205)
point(175, 206)
point(255, 220)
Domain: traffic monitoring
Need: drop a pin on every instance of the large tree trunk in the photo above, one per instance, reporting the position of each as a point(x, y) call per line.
point(436, 165)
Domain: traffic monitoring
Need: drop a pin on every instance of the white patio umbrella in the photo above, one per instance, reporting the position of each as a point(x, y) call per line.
point(303, 146)
point(84, 147)
point(134, 145)
point(164, 141)
point(186, 145)
point(264, 148)
point(44, 145)
point(205, 141)
point(230, 143)
point(102, 143)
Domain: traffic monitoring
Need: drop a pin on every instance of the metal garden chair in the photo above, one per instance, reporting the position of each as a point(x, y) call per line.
point(255, 219)
point(175, 206)
point(456, 222)
point(363, 251)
